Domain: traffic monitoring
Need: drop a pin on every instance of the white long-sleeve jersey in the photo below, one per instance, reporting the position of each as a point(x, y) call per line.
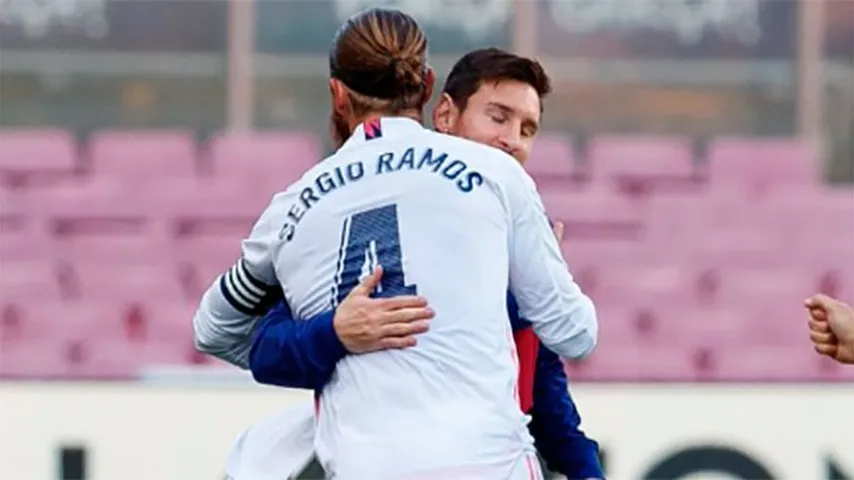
point(449, 219)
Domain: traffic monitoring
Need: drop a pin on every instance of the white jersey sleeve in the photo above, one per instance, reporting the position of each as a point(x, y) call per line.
point(232, 305)
point(563, 317)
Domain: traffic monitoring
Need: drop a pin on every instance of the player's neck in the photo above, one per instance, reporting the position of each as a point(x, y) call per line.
point(413, 114)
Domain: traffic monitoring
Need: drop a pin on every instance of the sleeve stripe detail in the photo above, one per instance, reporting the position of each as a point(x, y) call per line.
point(237, 290)
point(244, 292)
point(251, 280)
point(247, 281)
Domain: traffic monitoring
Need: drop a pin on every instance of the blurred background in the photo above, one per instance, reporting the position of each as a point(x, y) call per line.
point(701, 153)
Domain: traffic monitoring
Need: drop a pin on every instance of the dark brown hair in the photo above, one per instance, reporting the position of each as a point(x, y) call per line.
point(381, 56)
point(493, 65)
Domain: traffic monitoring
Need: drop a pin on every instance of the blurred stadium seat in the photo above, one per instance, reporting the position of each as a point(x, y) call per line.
point(641, 164)
point(139, 156)
point(36, 156)
point(594, 213)
point(270, 160)
point(758, 165)
point(699, 152)
point(553, 163)
point(101, 270)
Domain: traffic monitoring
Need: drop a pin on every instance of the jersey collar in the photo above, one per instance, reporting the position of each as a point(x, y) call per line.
point(386, 127)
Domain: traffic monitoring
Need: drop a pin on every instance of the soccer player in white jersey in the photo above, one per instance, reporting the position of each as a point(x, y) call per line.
point(446, 218)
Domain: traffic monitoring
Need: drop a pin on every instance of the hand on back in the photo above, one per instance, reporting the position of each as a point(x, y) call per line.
point(365, 324)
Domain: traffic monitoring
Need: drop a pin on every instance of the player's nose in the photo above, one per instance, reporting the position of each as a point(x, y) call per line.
point(511, 144)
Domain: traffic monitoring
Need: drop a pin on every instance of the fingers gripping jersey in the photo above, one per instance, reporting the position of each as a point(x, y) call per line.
point(454, 221)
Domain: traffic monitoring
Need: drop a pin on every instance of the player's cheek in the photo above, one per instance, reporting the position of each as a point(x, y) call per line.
point(524, 152)
point(485, 130)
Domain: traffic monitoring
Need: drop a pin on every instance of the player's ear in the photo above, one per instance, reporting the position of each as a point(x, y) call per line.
point(429, 83)
point(338, 95)
point(445, 114)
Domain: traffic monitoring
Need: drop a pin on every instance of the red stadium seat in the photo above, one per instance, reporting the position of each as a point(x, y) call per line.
point(624, 324)
point(716, 326)
point(84, 359)
point(17, 324)
point(179, 195)
point(633, 362)
point(626, 252)
point(100, 274)
point(668, 216)
point(204, 274)
point(757, 165)
point(778, 323)
point(750, 248)
point(15, 214)
point(203, 219)
point(738, 287)
point(130, 283)
point(75, 189)
point(835, 280)
point(38, 321)
point(202, 258)
point(770, 363)
point(553, 164)
point(143, 155)
point(29, 281)
point(270, 161)
point(36, 156)
point(714, 230)
point(25, 246)
point(92, 207)
point(809, 216)
point(99, 321)
point(106, 359)
point(643, 164)
point(219, 251)
point(647, 286)
point(587, 257)
point(228, 208)
point(112, 249)
point(596, 214)
point(35, 360)
point(171, 323)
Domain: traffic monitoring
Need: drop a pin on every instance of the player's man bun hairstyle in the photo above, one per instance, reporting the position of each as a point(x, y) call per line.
point(493, 65)
point(381, 56)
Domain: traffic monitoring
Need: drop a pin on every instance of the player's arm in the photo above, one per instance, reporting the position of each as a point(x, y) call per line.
point(556, 423)
point(303, 354)
point(232, 305)
point(563, 317)
point(295, 354)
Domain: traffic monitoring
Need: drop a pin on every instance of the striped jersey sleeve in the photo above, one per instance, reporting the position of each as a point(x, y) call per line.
point(250, 286)
point(245, 292)
point(231, 307)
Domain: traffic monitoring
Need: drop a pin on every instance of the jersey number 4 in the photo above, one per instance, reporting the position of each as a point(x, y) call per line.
point(368, 239)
